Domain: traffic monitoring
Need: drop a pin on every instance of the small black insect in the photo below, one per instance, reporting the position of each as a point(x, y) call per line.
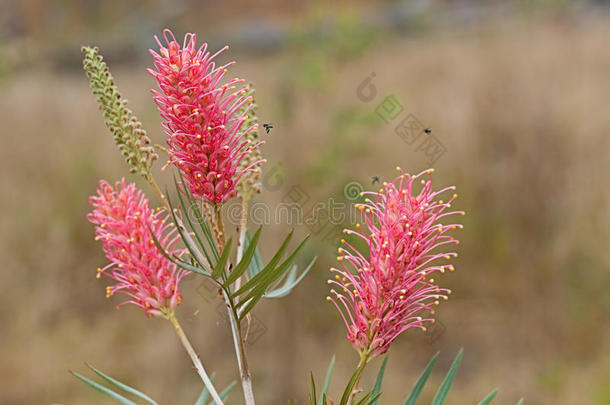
point(267, 127)
point(375, 179)
point(428, 130)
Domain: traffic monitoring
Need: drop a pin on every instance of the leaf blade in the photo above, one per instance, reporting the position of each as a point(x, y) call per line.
point(489, 397)
point(443, 390)
point(123, 386)
point(421, 381)
point(106, 391)
point(377, 389)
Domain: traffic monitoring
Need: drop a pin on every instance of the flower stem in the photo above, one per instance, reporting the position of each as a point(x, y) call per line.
point(155, 187)
point(194, 357)
point(240, 353)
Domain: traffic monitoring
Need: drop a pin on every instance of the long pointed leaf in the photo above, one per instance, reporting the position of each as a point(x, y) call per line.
point(176, 260)
point(256, 265)
point(443, 390)
point(191, 249)
point(241, 267)
point(379, 380)
point(272, 263)
point(205, 393)
point(312, 398)
point(364, 400)
point(350, 385)
point(207, 232)
point(289, 285)
point(192, 268)
point(489, 397)
point(122, 386)
point(421, 381)
point(520, 402)
point(329, 373)
point(188, 219)
point(268, 277)
point(220, 266)
point(106, 391)
point(225, 393)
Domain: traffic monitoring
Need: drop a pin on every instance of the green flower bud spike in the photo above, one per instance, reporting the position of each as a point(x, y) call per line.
point(249, 184)
point(128, 133)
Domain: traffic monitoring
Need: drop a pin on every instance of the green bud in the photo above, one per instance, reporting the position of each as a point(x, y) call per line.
point(128, 133)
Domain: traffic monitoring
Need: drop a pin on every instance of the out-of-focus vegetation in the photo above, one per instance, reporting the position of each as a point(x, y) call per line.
point(517, 94)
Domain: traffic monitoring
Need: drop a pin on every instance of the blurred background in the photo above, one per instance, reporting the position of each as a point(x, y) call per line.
point(516, 94)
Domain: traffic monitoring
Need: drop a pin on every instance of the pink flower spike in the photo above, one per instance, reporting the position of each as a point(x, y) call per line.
point(381, 295)
point(124, 223)
point(202, 118)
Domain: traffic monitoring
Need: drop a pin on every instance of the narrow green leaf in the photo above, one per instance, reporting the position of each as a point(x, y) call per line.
point(272, 263)
point(268, 277)
point(181, 231)
point(220, 266)
point(207, 232)
point(256, 265)
point(225, 393)
point(365, 399)
point(203, 397)
point(329, 373)
point(379, 380)
point(312, 398)
point(419, 385)
point(369, 399)
point(192, 268)
point(176, 260)
point(241, 267)
point(520, 402)
point(124, 387)
point(106, 391)
point(350, 385)
point(290, 283)
point(443, 390)
point(489, 397)
point(185, 212)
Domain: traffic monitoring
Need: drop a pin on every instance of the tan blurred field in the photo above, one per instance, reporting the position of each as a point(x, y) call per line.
point(521, 105)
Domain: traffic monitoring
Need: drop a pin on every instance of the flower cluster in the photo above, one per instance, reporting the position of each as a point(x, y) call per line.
point(391, 290)
point(124, 225)
point(202, 117)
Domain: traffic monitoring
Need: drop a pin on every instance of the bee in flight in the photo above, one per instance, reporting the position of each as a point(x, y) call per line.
point(267, 127)
point(375, 179)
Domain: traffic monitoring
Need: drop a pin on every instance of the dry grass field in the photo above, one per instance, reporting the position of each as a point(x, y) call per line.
point(521, 106)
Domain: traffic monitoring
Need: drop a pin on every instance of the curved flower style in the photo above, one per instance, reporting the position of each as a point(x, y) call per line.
point(124, 224)
point(202, 118)
point(390, 291)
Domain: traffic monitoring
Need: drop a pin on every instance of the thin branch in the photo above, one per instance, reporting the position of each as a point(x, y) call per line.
point(195, 358)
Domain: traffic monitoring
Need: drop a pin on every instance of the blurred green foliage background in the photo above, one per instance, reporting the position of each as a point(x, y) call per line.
point(516, 92)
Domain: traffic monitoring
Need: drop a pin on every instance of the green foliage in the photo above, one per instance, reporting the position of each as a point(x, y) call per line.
point(421, 381)
point(201, 400)
point(110, 393)
point(286, 283)
point(372, 397)
point(379, 380)
point(443, 390)
point(329, 374)
point(127, 130)
point(489, 397)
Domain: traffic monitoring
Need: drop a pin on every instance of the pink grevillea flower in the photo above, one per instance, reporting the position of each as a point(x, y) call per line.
point(124, 224)
point(391, 290)
point(202, 117)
